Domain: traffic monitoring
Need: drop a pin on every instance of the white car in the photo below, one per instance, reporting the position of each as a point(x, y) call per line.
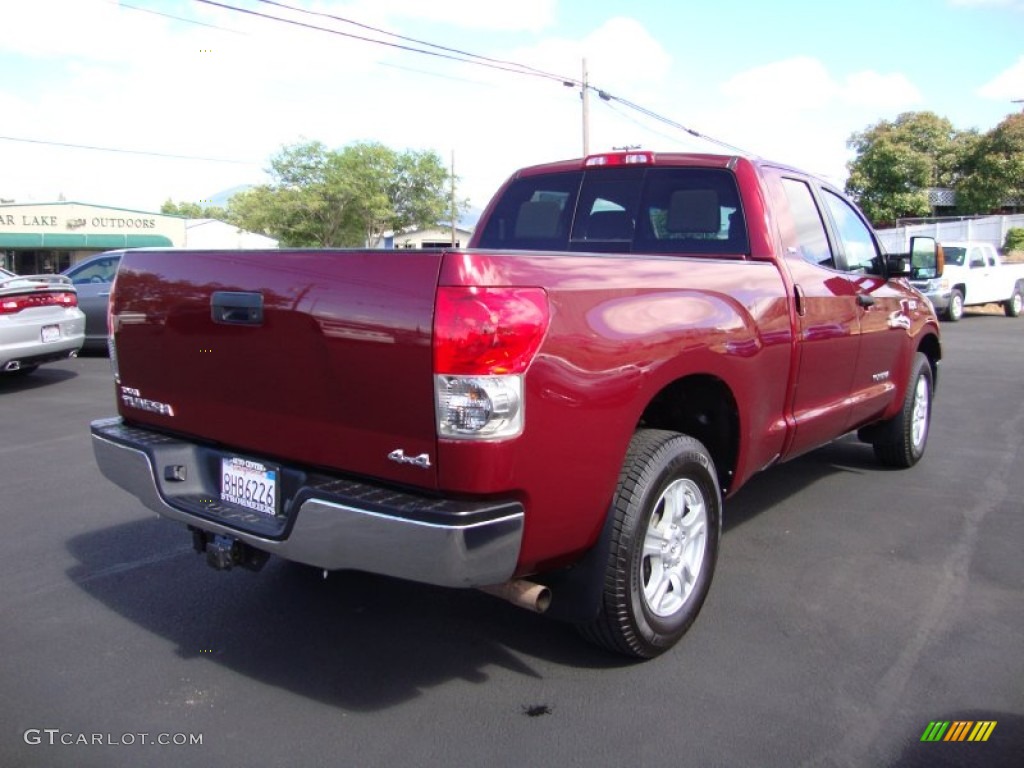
point(39, 321)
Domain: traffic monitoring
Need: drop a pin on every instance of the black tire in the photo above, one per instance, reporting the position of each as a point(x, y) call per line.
point(956, 306)
point(1015, 304)
point(650, 599)
point(900, 442)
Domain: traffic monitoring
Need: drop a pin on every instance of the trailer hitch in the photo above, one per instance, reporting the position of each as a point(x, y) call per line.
point(225, 552)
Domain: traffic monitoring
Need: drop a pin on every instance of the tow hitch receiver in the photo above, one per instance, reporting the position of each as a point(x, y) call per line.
point(225, 552)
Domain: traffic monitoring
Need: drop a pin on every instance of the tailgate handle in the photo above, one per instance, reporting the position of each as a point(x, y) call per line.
point(237, 307)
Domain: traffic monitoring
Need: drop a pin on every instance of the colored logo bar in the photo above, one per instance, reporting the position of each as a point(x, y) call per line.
point(958, 730)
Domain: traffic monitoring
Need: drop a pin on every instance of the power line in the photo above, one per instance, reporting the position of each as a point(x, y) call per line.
point(524, 67)
point(465, 57)
point(126, 151)
point(442, 52)
point(121, 4)
point(515, 69)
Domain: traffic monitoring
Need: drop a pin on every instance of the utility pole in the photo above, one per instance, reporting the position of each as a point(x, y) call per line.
point(585, 96)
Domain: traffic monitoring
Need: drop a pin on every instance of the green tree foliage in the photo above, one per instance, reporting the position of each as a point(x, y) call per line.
point(995, 169)
point(344, 198)
point(193, 210)
point(898, 161)
point(1014, 239)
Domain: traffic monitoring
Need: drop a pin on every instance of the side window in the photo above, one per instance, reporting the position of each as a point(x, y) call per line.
point(977, 258)
point(101, 271)
point(810, 229)
point(858, 244)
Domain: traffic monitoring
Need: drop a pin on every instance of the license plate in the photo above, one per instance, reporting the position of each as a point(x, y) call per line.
point(249, 484)
point(50, 333)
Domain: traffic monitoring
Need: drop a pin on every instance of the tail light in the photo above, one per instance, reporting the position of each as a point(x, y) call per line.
point(10, 305)
point(484, 340)
point(619, 158)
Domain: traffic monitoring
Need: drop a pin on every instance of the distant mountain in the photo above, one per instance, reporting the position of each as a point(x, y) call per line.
point(470, 217)
point(220, 199)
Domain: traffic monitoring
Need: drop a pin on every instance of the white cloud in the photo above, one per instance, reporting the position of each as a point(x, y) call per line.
point(1007, 85)
point(797, 111)
point(880, 91)
point(805, 84)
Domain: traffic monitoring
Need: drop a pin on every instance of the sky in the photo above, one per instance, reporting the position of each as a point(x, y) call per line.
point(196, 98)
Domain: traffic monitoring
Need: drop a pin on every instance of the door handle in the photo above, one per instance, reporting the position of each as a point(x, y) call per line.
point(865, 300)
point(237, 307)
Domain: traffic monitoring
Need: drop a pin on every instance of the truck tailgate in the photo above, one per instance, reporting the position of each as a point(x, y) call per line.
point(322, 357)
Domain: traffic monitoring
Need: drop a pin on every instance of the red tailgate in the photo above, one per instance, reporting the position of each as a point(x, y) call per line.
point(317, 357)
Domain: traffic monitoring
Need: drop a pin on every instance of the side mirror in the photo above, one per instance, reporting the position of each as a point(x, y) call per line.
point(927, 261)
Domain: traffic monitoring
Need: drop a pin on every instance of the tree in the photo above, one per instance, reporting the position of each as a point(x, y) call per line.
point(897, 162)
point(350, 197)
point(995, 169)
point(193, 210)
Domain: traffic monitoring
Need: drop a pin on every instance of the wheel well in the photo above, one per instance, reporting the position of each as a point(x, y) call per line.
point(962, 287)
point(702, 407)
point(931, 349)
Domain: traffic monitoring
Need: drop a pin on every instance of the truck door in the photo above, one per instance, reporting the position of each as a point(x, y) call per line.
point(827, 317)
point(885, 313)
point(983, 276)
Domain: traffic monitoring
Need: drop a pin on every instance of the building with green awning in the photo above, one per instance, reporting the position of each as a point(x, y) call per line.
point(49, 237)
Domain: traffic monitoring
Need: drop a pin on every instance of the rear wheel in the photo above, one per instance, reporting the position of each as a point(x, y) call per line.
point(956, 306)
point(667, 523)
point(1013, 305)
point(901, 441)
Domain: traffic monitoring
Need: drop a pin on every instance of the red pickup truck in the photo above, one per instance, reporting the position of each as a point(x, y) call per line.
point(553, 414)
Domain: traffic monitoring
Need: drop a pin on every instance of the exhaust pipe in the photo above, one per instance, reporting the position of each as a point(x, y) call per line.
point(14, 365)
point(525, 594)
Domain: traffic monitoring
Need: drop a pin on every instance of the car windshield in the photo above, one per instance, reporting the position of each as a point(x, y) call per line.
point(954, 255)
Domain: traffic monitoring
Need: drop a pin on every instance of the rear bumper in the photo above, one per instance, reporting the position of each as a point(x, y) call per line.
point(326, 521)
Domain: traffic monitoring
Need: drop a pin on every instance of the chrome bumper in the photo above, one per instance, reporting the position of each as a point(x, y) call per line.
point(329, 523)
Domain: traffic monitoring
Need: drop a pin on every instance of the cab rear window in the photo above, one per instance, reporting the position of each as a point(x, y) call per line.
point(623, 210)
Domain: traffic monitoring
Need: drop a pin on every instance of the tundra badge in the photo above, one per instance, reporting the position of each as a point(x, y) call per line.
point(422, 461)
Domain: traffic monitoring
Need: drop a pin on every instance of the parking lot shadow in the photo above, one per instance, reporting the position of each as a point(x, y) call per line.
point(43, 377)
point(775, 485)
point(353, 640)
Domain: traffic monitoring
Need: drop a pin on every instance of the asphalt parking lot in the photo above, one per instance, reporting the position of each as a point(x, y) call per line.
point(852, 607)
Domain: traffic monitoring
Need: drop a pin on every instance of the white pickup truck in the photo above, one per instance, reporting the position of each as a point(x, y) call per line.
point(974, 274)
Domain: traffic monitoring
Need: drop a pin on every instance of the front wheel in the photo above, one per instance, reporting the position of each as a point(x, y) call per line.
point(667, 523)
point(1013, 305)
point(956, 306)
point(900, 442)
